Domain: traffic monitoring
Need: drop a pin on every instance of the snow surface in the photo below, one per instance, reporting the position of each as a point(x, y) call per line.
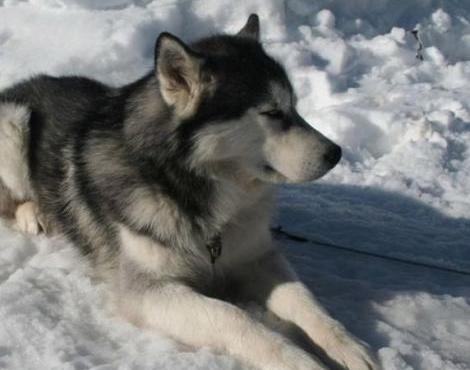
point(402, 189)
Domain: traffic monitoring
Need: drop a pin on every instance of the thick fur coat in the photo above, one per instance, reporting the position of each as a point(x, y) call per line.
point(165, 185)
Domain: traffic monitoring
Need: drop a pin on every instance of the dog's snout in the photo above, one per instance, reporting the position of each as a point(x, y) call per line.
point(333, 155)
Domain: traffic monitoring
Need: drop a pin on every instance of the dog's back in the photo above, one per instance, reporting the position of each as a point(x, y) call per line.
point(58, 101)
point(36, 118)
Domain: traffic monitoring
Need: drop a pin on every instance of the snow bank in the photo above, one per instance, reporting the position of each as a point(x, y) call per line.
point(402, 188)
point(403, 122)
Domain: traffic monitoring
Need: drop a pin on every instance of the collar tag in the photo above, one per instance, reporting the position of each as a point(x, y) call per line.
point(215, 248)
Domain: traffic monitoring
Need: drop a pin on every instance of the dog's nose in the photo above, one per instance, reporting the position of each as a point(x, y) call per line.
point(333, 155)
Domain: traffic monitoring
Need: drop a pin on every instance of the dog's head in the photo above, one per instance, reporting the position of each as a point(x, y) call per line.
point(235, 104)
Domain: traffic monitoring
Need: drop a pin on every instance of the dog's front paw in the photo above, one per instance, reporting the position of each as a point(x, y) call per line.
point(349, 352)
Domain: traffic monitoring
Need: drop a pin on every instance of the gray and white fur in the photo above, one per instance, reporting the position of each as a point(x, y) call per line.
point(154, 179)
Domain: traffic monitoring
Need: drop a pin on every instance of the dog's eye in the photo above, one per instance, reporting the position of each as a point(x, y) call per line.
point(273, 113)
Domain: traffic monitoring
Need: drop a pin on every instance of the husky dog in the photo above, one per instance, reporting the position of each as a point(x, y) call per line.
point(165, 185)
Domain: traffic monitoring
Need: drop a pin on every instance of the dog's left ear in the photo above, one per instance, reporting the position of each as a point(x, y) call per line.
point(178, 69)
point(251, 28)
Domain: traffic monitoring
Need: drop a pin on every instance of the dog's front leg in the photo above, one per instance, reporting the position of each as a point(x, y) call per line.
point(197, 320)
point(289, 299)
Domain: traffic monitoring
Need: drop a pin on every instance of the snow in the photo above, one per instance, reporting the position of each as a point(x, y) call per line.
point(402, 189)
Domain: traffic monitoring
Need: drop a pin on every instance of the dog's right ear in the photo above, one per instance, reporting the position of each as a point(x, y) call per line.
point(177, 69)
point(251, 28)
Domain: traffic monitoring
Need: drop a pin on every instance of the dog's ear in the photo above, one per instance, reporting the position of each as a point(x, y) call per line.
point(178, 71)
point(251, 28)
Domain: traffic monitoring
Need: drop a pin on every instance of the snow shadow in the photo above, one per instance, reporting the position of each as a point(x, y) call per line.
point(362, 291)
point(375, 220)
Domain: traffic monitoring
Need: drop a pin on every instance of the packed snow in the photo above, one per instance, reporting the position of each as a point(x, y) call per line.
point(402, 189)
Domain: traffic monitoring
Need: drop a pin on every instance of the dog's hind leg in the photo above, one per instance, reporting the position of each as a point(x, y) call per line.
point(197, 320)
point(15, 187)
point(14, 143)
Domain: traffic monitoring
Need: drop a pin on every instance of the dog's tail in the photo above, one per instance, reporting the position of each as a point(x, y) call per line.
point(15, 185)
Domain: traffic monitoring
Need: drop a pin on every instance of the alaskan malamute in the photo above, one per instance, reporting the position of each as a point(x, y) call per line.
point(165, 184)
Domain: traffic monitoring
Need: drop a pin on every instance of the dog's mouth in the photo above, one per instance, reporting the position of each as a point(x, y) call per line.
point(268, 169)
point(269, 174)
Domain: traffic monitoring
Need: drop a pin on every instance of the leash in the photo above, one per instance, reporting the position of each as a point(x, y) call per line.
point(279, 231)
